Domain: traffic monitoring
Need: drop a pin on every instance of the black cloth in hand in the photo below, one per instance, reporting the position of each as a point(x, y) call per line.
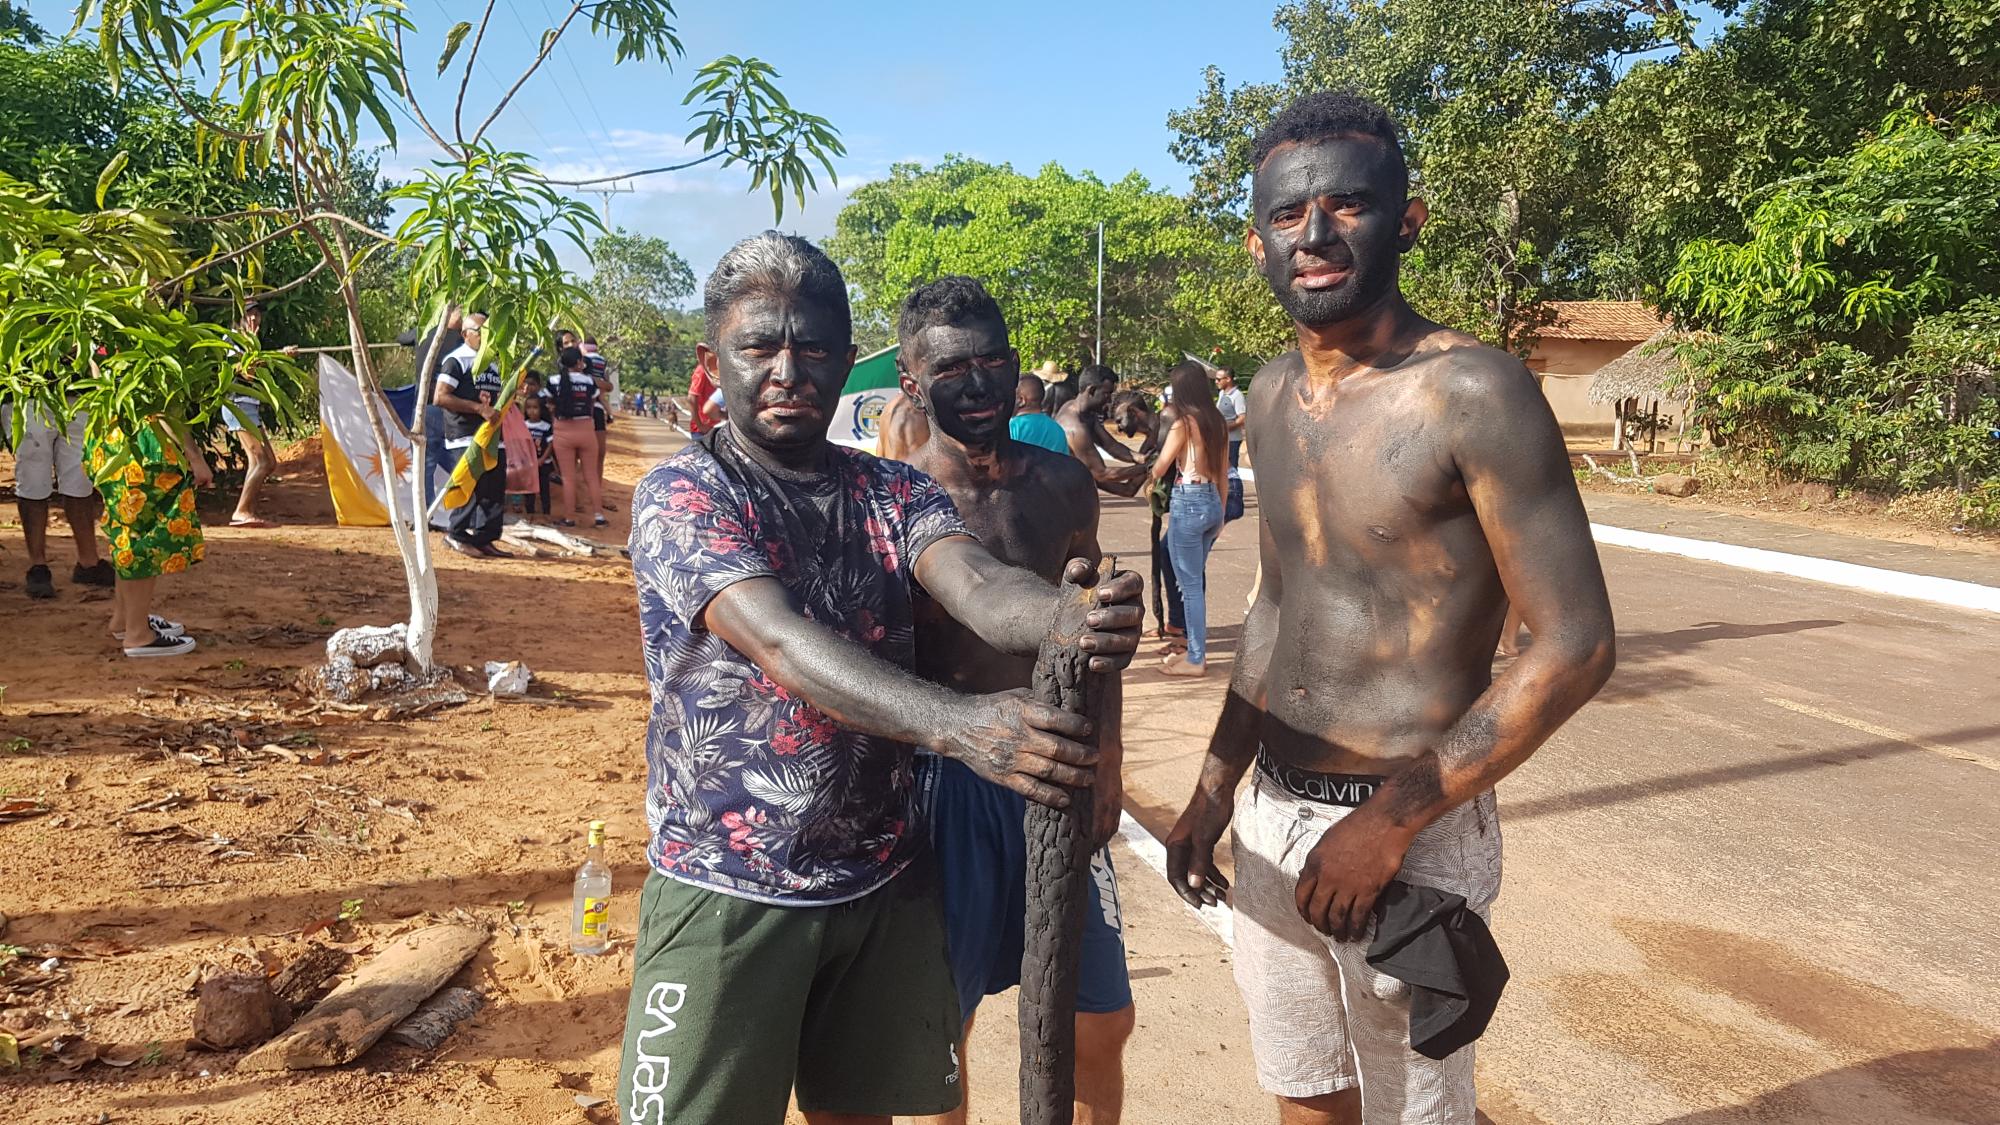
point(1430, 939)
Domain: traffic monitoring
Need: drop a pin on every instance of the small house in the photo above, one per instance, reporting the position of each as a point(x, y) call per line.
point(1581, 339)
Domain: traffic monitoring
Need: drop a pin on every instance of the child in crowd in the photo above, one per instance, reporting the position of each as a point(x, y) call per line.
point(543, 430)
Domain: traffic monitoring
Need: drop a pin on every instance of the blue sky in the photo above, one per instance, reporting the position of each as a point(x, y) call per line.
point(1085, 83)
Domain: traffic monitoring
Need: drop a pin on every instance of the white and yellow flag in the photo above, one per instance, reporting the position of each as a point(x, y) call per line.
point(357, 473)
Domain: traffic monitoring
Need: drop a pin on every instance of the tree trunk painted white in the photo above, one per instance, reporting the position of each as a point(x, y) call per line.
point(411, 531)
point(423, 597)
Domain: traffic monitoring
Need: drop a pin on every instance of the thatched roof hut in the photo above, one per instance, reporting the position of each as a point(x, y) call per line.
point(1641, 373)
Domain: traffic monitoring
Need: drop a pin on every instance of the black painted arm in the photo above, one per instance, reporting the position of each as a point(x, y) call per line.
point(1510, 453)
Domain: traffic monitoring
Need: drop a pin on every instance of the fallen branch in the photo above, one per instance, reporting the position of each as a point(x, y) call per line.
point(1614, 478)
point(385, 990)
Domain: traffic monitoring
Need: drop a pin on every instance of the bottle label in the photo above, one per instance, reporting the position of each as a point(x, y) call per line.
point(594, 910)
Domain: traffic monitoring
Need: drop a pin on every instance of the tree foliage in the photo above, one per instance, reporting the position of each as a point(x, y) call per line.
point(1856, 328)
point(630, 300)
point(292, 83)
point(1033, 241)
point(1571, 149)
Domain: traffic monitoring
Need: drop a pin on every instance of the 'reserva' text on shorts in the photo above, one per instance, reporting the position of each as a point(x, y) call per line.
point(650, 1071)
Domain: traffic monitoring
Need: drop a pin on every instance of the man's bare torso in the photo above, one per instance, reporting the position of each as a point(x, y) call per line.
point(1039, 516)
point(1390, 602)
point(903, 428)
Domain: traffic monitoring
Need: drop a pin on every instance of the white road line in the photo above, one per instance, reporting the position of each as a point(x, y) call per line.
point(1154, 853)
point(1954, 753)
point(1895, 583)
point(1854, 576)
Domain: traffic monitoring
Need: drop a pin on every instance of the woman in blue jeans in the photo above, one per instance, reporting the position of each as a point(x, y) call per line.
point(1198, 446)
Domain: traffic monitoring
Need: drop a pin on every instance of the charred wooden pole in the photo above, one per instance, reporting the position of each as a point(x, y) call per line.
point(1058, 872)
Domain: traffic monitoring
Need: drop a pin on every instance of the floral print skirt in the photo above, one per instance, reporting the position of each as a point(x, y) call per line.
point(149, 510)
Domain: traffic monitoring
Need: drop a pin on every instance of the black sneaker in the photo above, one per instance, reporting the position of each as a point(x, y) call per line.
point(41, 584)
point(98, 574)
point(161, 646)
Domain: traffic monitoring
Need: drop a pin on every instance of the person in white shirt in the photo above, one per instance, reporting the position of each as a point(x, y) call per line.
point(1235, 409)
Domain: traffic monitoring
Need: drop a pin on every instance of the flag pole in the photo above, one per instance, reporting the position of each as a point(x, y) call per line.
point(1100, 293)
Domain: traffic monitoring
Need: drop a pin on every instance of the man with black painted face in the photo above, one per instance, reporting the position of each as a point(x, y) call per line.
point(1082, 420)
point(1412, 481)
point(1036, 509)
point(790, 934)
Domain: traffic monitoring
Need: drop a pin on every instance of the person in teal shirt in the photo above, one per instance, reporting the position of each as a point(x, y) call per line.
point(1031, 422)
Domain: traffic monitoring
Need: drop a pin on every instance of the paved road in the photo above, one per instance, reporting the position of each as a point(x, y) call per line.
point(1754, 881)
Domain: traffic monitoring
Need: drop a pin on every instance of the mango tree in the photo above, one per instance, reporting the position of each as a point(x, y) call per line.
point(297, 79)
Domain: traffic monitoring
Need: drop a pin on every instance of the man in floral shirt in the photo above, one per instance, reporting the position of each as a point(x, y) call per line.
point(790, 934)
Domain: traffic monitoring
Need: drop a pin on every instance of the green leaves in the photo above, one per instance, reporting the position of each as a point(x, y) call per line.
point(452, 39)
point(110, 175)
point(481, 229)
point(744, 115)
point(642, 28)
point(81, 328)
point(1172, 279)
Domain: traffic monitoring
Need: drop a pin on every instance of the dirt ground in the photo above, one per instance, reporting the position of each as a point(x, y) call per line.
point(199, 812)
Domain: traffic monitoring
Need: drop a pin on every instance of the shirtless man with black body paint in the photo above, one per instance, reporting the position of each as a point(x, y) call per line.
point(1414, 482)
point(1037, 510)
point(1082, 418)
point(901, 429)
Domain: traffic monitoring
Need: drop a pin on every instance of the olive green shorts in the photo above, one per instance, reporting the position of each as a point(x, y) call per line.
point(734, 1002)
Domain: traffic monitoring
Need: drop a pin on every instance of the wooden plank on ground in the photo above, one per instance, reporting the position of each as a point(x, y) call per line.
point(387, 988)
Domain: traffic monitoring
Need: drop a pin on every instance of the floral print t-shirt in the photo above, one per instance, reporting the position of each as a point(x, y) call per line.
point(749, 790)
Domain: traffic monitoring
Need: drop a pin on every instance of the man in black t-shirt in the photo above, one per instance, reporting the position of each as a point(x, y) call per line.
point(468, 397)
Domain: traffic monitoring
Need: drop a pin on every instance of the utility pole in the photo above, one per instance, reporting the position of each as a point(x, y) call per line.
point(1100, 293)
point(605, 193)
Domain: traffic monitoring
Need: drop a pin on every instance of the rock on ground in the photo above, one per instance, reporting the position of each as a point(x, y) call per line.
point(1676, 484)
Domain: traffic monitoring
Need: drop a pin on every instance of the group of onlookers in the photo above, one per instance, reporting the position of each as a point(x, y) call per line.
point(1187, 463)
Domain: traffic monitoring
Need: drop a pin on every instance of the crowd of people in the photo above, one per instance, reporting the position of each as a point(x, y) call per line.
point(839, 751)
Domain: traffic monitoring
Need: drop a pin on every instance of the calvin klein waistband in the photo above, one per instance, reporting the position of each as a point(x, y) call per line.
point(1347, 790)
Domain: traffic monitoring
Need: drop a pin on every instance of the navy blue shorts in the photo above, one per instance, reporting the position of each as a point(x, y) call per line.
point(982, 862)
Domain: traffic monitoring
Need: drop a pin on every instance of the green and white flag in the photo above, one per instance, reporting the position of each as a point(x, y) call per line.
point(857, 421)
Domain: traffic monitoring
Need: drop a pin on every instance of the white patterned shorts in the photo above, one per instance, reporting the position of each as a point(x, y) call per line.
point(1321, 1019)
point(49, 460)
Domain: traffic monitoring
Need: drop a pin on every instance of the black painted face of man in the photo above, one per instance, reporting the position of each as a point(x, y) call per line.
point(1330, 219)
point(781, 360)
point(966, 377)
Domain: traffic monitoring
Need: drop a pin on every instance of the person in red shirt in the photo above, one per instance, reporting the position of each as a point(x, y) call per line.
point(701, 388)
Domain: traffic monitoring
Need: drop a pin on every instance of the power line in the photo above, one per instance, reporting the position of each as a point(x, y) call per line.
point(487, 70)
point(574, 119)
point(583, 87)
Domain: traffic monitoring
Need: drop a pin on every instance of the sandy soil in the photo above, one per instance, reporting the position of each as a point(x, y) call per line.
point(201, 813)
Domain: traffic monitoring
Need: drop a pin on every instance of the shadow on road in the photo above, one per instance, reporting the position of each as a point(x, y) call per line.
point(1952, 1084)
point(1649, 664)
point(1730, 775)
point(1681, 640)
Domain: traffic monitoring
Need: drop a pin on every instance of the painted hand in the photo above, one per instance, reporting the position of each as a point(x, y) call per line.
point(1010, 739)
point(1191, 869)
point(1345, 872)
point(1116, 623)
